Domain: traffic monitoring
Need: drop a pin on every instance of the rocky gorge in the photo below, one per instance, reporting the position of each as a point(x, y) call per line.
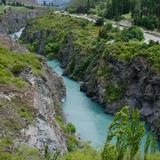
point(30, 95)
point(114, 75)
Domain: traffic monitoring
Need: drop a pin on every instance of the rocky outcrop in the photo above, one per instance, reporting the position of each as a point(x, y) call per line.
point(42, 96)
point(12, 20)
point(49, 91)
point(7, 42)
point(28, 114)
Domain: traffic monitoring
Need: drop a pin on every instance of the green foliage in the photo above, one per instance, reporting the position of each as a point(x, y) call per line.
point(26, 114)
point(17, 68)
point(71, 128)
point(114, 92)
point(150, 145)
point(86, 153)
point(52, 47)
point(132, 33)
point(72, 143)
point(149, 22)
point(109, 152)
point(22, 152)
point(128, 132)
point(12, 64)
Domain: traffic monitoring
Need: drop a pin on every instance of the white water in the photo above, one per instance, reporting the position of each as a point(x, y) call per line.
point(16, 35)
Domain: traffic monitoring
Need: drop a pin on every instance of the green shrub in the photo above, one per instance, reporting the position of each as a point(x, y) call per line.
point(86, 153)
point(149, 22)
point(132, 33)
point(71, 128)
point(52, 47)
point(22, 152)
point(110, 153)
point(114, 92)
point(17, 68)
point(24, 113)
point(11, 64)
point(72, 143)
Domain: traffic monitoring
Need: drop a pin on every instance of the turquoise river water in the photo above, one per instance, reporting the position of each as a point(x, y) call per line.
point(88, 117)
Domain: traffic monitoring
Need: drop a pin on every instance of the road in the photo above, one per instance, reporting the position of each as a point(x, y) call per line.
point(148, 35)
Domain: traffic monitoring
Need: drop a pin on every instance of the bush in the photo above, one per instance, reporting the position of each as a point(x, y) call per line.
point(17, 69)
point(114, 92)
point(86, 153)
point(148, 22)
point(72, 143)
point(109, 26)
point(52, 47)
point(24, 113)
point(132, 33)
point(107, 31)
point(71, 128)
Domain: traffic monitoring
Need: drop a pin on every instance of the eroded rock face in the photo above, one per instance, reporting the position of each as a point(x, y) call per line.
point(28, 114)
point(7, 42)
point(13, 21)
point(49, 91)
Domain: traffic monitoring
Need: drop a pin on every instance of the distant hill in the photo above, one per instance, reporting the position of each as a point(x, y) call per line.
point(28, 2)
point(60, 3)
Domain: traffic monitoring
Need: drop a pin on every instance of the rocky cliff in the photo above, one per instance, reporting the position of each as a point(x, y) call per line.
point(30, 95)
point(13, 20)
point(113, 74)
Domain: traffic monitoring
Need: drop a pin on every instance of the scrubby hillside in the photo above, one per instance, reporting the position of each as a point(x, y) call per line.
point(30, 97)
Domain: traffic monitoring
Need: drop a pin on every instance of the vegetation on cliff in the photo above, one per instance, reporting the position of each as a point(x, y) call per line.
point(12, 64)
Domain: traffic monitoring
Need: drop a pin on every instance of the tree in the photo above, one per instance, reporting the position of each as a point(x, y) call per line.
point(128, 131)
point(150, 145)
point(132, 33)
point(4, 2)
point(44, 3)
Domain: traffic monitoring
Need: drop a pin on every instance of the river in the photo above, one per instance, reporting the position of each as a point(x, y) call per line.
point(88, 117)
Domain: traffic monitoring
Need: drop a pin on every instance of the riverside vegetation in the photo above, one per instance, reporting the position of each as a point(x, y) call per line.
point(113, 65)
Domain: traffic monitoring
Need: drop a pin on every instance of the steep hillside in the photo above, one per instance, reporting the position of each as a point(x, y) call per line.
point(30, 97)
point(113, 72)
point(14, 18)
